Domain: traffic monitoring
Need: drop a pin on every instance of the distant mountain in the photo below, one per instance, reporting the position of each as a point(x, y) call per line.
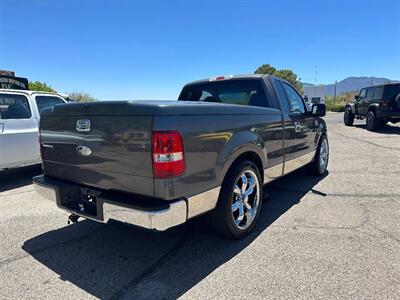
point(349, 84)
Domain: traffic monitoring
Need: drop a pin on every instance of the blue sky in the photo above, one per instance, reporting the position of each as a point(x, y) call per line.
point(149, 49)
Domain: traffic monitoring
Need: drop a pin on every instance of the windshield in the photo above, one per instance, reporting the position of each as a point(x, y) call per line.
point(241, 92)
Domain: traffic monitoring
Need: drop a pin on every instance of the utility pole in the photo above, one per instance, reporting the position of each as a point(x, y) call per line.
point(315, 85)
point(334, 95)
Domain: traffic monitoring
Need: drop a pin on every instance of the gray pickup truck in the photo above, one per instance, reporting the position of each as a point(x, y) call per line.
point(157, 164)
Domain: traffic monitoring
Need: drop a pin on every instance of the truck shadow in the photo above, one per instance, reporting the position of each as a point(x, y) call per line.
point(388, 129)
point(18, 177)
point(120, 261)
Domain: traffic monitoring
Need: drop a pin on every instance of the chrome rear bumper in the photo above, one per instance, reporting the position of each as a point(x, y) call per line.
point(158, 219)
point(178, 212)
point(46, 191)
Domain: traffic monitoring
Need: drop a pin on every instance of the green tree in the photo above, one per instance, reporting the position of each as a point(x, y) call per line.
point(286, 74)
point(40, 86)
point(81, 97)
point(265, 69)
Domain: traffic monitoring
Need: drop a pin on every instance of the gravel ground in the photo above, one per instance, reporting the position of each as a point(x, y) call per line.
point(332, 237)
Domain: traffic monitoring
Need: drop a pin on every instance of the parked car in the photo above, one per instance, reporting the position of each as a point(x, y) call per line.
point(19, 123)
point(157, 164)
point(378, 104)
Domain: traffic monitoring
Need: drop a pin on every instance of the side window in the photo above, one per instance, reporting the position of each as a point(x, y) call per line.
point(378, 93)
point(391, 91)
point(281, 95)
point(370, 93)
point(363, 93)
point(43, 102)
point(295, 102)
point(14, 107)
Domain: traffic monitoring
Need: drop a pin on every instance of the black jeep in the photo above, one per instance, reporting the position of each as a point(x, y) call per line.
point(379, 104)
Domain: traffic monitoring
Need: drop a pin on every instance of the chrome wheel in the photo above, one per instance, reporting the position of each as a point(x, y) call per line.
point(323, 156)
point(246, 199)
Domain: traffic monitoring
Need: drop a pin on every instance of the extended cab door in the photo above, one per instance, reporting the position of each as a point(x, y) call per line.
point(289, 135)
point(304, 127)
point(18, 131)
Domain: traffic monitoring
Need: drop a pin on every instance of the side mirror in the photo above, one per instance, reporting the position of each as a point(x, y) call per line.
point(356, 97)
point(318, 110)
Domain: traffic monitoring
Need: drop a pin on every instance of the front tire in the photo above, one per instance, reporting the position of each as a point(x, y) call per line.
point(348, 118)
point(239, 201)
point(373, 122)
point(319, 165)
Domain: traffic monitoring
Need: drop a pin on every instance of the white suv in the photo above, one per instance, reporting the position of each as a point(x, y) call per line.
point(19, 123)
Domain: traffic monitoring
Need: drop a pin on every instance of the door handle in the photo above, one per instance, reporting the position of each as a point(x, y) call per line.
point(1, 127)
point(297, 127)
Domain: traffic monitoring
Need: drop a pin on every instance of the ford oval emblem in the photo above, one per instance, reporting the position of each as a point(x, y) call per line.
point(84, 151)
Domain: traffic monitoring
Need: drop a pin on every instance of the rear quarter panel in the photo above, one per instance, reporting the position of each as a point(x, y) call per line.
point(213, 142)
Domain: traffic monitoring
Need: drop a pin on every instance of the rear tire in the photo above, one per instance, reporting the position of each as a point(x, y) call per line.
point(373, 122)
point(348, 117)
point(236, 214)
point(397, 100)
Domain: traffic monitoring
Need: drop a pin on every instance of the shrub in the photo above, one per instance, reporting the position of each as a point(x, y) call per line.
point(336, 106)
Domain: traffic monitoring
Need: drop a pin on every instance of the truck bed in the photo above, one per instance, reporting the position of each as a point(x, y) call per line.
point(120, 139)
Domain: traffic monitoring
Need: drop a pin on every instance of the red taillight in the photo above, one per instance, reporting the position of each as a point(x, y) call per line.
point(168, 154)
point(221, 77)
point(40, 144)
point(384, 105)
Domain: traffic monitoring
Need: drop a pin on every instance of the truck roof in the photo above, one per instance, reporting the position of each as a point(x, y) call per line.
point(228, 77)
point(383, 84)
point(30, 93)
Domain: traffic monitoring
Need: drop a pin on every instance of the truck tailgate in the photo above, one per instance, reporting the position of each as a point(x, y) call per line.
point(115, 154)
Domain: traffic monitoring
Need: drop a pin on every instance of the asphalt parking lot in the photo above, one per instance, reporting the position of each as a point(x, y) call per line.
point(335, 237)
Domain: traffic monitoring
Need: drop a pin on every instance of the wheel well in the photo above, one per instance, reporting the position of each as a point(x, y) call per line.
point(372, 108)
point(253, 157)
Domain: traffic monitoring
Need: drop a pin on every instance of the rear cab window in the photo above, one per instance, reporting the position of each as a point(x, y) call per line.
point(43, 102)
point(14, 106)
point(233, 91)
